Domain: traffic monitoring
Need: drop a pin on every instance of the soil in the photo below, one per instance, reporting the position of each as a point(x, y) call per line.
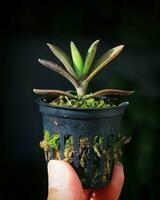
point(101, 102)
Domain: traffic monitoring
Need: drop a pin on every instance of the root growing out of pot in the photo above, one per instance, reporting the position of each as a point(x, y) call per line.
point(107, 153)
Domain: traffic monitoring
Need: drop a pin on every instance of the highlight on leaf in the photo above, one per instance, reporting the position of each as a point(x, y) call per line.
point(90, 56)
point(104, 60)
point(77, 59)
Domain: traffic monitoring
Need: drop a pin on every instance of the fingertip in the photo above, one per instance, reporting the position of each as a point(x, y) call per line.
point(118, 174)
point(60, 170)
point(50, 165)
point(63, 182)
point(119, 164)
point(57, 174)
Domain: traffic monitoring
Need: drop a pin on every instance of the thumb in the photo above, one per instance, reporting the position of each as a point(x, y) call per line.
point(63, 182)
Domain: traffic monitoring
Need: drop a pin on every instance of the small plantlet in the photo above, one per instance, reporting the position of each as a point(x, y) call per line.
point(80, 71)
point(79, 127)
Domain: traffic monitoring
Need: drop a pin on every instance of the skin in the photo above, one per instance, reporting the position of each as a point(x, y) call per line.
point(64, 184)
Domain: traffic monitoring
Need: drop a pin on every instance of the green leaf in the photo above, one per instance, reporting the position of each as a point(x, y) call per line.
point(61, 55)
point(77, 59)
point(104, 60)
point(90, 56)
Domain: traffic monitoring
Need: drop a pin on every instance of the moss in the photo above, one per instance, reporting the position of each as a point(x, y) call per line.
point(108, 153)
point(83, 102)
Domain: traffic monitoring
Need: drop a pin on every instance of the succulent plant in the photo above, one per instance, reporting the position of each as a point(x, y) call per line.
point(80, 72)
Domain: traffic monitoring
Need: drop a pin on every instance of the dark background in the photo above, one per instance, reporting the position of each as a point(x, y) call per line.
point(25, 28)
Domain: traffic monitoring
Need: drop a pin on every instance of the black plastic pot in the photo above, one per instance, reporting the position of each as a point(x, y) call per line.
point(83, 122)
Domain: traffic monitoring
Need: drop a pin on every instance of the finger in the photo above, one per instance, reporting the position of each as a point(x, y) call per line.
point(63, 182)
point(113, 190)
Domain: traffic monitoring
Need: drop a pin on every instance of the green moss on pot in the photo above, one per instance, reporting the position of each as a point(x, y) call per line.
point(111, 152)
point(82, 102)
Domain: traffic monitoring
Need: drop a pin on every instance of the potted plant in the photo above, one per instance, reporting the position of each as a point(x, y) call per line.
point(79, 127)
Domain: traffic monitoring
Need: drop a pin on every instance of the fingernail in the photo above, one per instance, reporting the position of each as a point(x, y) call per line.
point(56, 175)
point(118, 163)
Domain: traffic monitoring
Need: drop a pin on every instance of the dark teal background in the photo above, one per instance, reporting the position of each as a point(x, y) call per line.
point(25, 28)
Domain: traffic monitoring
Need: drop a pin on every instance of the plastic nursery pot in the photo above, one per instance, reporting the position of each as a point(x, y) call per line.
point(86, 139)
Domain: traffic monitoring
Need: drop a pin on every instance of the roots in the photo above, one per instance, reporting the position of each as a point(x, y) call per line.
point(108, 153)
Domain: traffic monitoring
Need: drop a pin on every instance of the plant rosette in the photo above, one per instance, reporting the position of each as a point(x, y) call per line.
point(83, 129)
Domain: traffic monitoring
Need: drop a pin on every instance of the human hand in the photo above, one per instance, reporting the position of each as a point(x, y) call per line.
point(64, 184)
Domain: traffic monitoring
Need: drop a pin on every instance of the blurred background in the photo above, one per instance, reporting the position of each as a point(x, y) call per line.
point(25, 28)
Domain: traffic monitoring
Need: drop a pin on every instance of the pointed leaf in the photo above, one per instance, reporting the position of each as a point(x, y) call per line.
point(90, 56)
point(47, 92)
point(53, 66)
point(77, 59)
point(61, 55)
point(104, 60)
point(111, 92)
